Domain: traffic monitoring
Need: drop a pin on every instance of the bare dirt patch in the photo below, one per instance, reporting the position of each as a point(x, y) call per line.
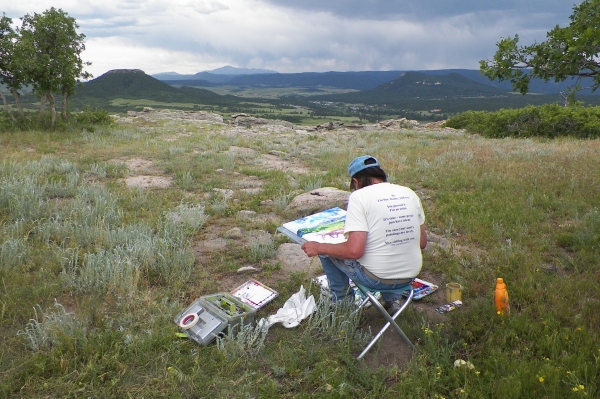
point(144, 174)
point(145, 181)
point(271, 161)
point(138, 165)
point(241, 151)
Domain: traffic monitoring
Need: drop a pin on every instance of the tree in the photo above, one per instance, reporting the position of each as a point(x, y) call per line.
point(53, 47)
point(12, 74)
point(572, 51)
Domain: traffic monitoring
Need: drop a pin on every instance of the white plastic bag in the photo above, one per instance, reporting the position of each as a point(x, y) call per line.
point(294, 310)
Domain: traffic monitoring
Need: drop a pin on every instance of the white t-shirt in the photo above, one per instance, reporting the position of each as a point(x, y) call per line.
point(392, 216)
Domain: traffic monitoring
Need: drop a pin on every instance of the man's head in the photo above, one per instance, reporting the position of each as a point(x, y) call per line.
point(364, 171)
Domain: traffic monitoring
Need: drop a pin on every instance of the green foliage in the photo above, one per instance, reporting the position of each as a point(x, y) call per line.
point(91, 117)
point(542, 121)
point(52, 48)
point(571, 51)
point(45, 53)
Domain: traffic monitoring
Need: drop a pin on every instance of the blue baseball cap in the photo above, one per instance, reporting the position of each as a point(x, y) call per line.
point(361, 163)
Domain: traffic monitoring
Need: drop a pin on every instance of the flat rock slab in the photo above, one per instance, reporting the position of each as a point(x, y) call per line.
point(293, 259)
point(320, 199)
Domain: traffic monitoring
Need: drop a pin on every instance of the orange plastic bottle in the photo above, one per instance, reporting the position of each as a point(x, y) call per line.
point(501, 297)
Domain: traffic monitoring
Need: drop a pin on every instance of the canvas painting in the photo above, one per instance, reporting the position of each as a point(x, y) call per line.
point(326, 226)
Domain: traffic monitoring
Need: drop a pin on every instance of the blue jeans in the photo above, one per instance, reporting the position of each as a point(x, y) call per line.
point(339, 270)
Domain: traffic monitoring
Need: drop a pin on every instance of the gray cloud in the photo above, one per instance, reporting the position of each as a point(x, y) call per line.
point(188, 36)
point(424, 9)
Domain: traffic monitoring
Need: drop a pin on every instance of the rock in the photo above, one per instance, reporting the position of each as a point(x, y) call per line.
point(247, 269)
point(227, 193)
point(330, 126)
point(320, 199)
point(247, 214)
point(234, 233)
point(149, 113)
point(293, 258)
point(399, 123)
point(280, 154)
point(245, 120)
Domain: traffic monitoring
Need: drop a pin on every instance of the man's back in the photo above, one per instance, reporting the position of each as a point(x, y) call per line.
point(392, 216)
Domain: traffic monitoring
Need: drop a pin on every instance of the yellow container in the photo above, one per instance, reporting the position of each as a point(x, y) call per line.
point(453, 292)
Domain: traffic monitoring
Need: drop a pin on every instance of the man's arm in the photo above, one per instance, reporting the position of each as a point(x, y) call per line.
point(353, 248)
point(423, 237)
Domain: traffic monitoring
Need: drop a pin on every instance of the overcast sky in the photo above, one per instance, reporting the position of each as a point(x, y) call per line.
point(189, 36)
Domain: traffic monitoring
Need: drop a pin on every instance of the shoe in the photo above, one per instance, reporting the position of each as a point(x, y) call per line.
point(392, 306)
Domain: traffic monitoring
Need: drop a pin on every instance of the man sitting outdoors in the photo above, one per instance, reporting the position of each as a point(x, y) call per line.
point(385, 234)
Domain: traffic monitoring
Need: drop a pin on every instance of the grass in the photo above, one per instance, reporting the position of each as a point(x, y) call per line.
point(92, 272)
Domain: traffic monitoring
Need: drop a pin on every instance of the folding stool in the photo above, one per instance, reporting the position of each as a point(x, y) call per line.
point(367, 294)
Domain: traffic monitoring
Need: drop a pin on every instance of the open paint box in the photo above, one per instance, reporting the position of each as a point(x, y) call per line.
point(210, 315)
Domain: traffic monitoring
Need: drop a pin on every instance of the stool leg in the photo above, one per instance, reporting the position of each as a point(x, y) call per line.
point(391, 320)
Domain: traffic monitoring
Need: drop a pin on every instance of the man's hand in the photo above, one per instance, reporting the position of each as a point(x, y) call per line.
point(311, 248)
point(353, 248)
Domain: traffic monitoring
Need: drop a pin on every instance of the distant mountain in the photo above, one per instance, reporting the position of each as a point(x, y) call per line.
point(135, 84)
point(416, 85)
point(219, 75)
point(417, 90)
point(171, 76)
point(536, 86)
point(365, 80)
point(344, 80)
point(229, 75)
point(229, 70)
point(213, 77)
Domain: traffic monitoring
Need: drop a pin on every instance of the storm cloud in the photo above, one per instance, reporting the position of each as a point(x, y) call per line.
point(189, 36)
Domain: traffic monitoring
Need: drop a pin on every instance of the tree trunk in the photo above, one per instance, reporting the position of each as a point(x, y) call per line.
point(52, 108)
point(42, 106)
point(12, 117)
point(64, 107)
point(17, 97)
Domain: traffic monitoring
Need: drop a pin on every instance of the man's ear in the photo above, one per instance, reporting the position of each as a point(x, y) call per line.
point(355, 183)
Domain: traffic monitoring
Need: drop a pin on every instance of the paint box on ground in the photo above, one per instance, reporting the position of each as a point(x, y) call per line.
point(233, 309)
point(200, 323)
point(211, 315)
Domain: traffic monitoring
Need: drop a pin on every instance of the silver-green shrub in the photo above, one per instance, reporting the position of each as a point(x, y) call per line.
point(190, 217)
point(105, 271)
point(46, 329)
point(242, 341)
point(12, 252)
point(261, 248)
